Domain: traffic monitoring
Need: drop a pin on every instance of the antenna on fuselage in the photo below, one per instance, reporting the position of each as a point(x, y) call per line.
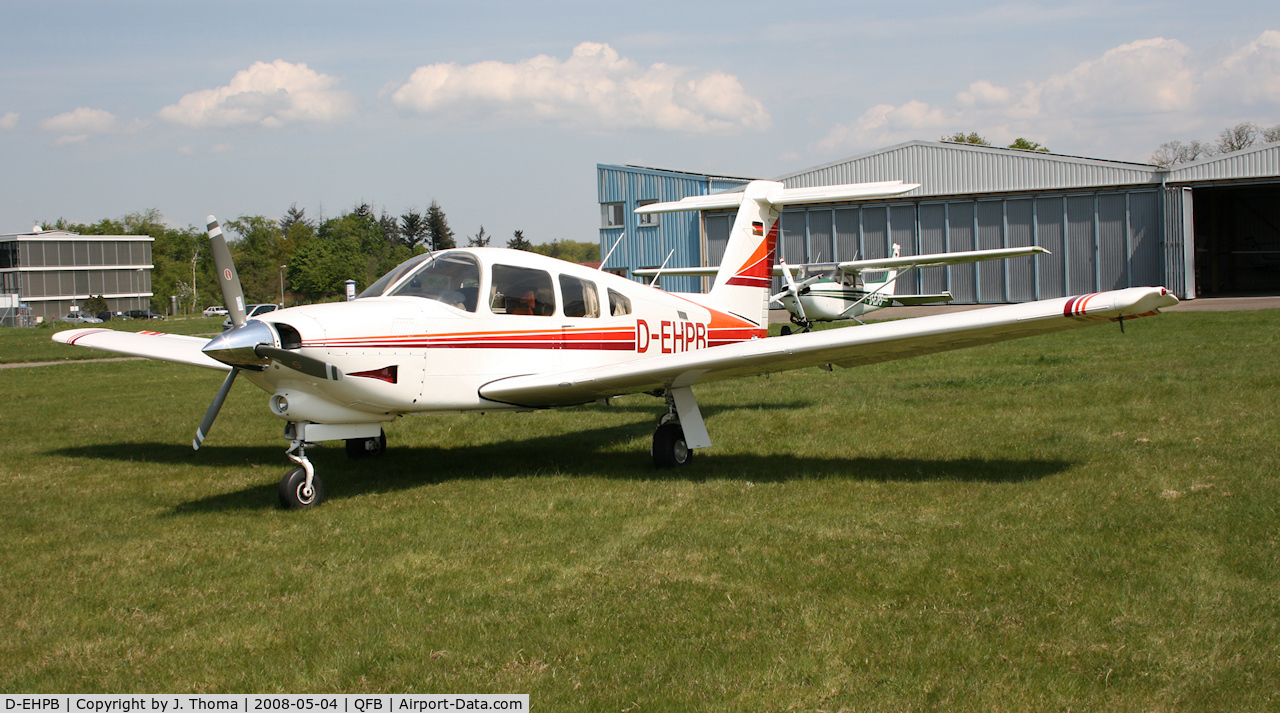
point(658, 275)
point(610, 253)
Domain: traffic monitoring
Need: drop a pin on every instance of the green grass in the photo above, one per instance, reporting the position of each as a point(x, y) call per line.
point(1082, 521)
point(34, 344)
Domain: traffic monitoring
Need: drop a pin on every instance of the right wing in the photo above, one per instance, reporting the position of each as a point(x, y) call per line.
point(176, 348)
point(869, 344)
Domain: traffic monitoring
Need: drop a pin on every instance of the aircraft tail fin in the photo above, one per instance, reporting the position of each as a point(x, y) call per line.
point(742, 284)
point(883, 282)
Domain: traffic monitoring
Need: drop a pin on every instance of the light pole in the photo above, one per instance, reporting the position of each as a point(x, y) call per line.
point(282, 267)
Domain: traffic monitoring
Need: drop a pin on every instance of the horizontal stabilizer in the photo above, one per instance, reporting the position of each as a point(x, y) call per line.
point(778, 196)
point(869, 344)
point(177, 348)
point(917, 300)
point(938, 259)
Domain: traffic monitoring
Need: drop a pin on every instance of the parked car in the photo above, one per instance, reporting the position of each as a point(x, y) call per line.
point(251, 311)
point(104, 316)
point(81, 318)
point(143, 314)
point(218, 311)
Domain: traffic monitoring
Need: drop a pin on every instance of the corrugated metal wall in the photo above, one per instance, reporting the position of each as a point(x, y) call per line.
point(1259, 162)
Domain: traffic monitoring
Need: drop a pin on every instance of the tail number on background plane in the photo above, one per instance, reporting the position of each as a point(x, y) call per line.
point(672, 337)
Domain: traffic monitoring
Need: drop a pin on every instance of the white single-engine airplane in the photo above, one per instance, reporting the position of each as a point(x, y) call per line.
point(488, 329)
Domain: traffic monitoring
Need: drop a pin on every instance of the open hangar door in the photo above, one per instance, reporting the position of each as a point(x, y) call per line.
point(1237, 240)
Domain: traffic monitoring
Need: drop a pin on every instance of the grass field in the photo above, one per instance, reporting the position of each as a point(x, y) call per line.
point(1080, 521)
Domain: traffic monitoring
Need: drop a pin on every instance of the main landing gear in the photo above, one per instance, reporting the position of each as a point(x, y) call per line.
point(804, 325)
point(680, 430)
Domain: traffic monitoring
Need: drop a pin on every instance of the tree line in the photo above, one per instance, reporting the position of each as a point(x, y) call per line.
point(308, 259)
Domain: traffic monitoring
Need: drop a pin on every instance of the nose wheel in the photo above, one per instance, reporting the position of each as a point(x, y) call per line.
point(301, 487)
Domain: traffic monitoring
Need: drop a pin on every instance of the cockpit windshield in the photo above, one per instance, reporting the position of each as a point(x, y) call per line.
point(399, 271)
point(451, 278)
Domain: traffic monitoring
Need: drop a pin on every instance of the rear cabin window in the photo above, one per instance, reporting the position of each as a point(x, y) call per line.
point(618, 304)
point(451, 279)
point(521, 290)
point(580, 297)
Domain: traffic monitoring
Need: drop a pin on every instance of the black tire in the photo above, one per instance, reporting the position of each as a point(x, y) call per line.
point(786, 330)
point(291, 495)
point(358, 448)
point(669, 447)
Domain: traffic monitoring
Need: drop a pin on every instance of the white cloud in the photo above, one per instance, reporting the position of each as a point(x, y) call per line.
point(594, 88)
point(267, 94)
point(1252, 74)
point(1120, 104)
point(9, 121)
point(78, 125)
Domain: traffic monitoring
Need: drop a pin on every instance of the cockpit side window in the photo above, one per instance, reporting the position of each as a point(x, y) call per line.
point(521, 290)
point(451, 278)
point(580, 297)
point(618, 304)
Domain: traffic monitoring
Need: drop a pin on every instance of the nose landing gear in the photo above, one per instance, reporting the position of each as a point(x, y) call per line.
point(300, 487)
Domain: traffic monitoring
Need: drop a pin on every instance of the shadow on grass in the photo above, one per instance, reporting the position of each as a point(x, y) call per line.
point(596, 453)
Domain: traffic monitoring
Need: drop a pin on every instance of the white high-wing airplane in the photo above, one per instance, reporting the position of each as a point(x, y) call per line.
point(843, 290)
point(489, 329)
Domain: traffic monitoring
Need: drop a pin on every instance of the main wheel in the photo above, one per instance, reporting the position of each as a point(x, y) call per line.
point(293, 486)
point(358, 448)
point(669, 447)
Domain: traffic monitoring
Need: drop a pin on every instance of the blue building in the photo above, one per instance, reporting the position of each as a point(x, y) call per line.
point(648, 240)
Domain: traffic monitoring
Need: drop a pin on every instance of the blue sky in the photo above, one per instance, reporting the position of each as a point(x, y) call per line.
point(500, 111)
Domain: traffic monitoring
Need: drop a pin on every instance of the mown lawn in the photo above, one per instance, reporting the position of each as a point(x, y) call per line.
point(1084, 521)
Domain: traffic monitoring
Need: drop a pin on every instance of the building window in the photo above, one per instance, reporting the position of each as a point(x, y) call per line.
point(647, 219)
point(611, 215)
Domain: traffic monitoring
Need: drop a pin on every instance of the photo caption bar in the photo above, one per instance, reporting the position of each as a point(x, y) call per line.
point(264, 703)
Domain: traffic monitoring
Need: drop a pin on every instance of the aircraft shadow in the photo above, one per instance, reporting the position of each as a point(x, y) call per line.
point(607, 452)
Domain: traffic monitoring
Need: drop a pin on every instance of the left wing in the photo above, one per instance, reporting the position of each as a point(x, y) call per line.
point(869, 344)
point(177, 348)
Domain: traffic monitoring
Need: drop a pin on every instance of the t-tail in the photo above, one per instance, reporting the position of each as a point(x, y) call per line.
point(742, 284)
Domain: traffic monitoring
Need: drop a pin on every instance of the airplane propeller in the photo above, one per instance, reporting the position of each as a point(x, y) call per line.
point(794, 289)
point(247, 345)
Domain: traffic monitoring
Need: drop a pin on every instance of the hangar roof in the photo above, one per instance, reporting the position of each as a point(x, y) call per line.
point(944, 168)
point(1256, 162)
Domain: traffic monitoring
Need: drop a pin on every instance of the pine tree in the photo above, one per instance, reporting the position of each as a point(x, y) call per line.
point(438, 229)
point(413, 228)
point(517, 242)
point(479, 240)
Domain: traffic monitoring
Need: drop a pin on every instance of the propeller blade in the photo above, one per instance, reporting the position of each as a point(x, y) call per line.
point(305, 364)
point(228, 278)
point(792, 289)
point(214, 408)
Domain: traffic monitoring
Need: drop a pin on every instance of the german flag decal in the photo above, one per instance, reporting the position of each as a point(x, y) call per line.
point(757, 228)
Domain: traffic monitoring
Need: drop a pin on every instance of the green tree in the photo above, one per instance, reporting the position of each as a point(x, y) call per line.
point(258, 253)
point(1028, 145)
point(413, 228)
point(517, 242)
point(569, 250)
point(962, 138)
point(94, 305)
point(438, 231)
point(479, 240)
